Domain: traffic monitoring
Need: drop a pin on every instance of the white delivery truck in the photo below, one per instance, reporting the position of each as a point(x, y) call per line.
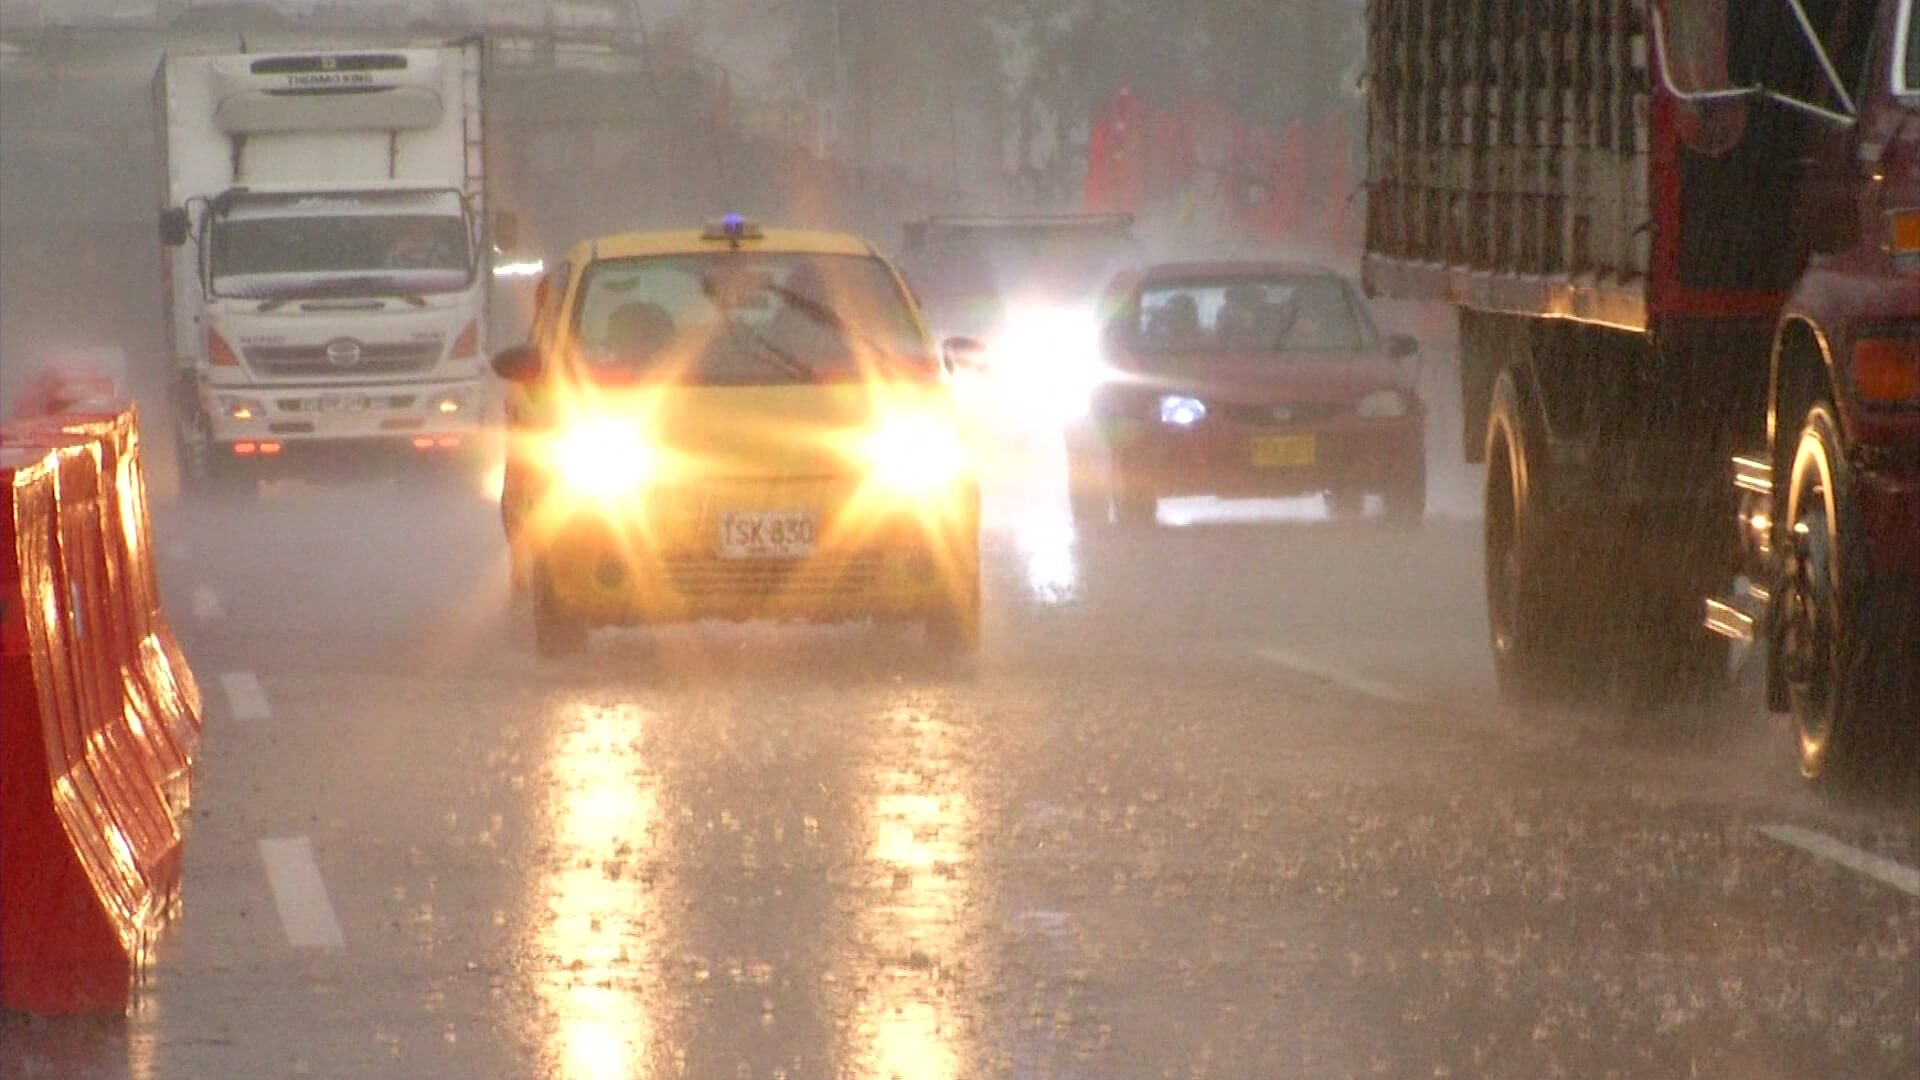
point(325, 257)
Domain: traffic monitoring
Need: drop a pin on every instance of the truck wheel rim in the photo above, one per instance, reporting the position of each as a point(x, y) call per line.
point(1807, 646)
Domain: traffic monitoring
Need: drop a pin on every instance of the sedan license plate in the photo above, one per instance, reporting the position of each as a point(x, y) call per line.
point(1283, 451)
point(768, 534)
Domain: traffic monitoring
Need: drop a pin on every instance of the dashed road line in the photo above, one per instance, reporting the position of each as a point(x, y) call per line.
point(246, 698)
point(305, 912)
point(1315, 669)
point(207, 605)
point(1865, 863)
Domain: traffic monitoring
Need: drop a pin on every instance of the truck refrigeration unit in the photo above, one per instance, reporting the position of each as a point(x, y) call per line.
point(1683, 238)
point(325, 254)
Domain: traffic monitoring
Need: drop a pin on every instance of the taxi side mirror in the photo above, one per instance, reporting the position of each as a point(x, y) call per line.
point(518, 363)
point(175, 226)
point(1401, 346)
point(963, 354)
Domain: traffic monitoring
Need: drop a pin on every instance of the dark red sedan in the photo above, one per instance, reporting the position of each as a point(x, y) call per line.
point(1247, 380)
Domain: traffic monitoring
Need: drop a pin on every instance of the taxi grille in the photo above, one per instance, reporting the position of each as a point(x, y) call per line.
point(705, 576)
point(391, 359)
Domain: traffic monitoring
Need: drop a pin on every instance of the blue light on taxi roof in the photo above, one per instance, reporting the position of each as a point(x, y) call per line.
point(733, 228)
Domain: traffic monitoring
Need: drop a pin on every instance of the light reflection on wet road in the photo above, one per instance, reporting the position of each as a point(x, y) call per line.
point(1227, 798)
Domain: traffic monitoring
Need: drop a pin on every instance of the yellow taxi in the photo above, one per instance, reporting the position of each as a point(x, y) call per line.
point(736, 423)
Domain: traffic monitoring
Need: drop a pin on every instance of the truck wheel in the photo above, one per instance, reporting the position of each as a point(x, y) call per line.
point(557, 632)
point(1838, 672)
point(1529, 601)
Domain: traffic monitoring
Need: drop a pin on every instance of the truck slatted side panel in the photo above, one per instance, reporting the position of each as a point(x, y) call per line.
point(1509, 149)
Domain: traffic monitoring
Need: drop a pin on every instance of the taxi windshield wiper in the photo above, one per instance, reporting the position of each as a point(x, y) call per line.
point(772, 354)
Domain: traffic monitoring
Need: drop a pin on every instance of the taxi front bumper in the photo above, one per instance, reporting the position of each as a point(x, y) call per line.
point(662, 560)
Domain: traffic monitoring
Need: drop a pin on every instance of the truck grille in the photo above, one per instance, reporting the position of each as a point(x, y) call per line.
point(392, 359)
point(751, 579)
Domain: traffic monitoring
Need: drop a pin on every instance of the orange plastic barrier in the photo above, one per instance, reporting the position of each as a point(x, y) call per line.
point(162, 692)
point(91, 744)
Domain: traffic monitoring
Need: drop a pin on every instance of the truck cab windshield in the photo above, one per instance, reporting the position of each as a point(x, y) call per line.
point(340, 246)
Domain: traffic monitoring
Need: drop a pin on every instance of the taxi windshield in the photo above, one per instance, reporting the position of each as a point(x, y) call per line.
point(734, 318)
point(1279, 315)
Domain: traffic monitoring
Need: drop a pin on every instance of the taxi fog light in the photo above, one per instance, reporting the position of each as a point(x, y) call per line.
point(915, 453)
point(603, 458)
point(1178, 410)
point(1382, 405)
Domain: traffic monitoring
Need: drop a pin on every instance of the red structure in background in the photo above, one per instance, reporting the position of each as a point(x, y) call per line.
point(1204, 170)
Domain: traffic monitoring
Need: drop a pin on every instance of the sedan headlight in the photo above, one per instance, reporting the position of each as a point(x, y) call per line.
point(915, 452)
point(1383, 405)
point(603, 458)
point(1178, 410)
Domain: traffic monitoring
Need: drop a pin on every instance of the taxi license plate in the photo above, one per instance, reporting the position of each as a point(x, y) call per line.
point(768, 534)
point(1283, 451)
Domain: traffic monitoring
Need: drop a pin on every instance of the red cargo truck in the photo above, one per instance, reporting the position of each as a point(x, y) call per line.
point(1679, 233)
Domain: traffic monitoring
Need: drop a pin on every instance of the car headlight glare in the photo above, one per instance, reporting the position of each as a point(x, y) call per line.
point(915, 452)
point(1382, 405)
point(1178, 410)
point(603, 458)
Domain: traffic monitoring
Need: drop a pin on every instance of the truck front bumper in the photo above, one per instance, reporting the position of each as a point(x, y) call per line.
point(290, 416)
point(1887, 498)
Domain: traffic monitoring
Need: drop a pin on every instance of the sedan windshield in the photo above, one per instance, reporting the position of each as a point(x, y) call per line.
point(1285, 314)
point(739, 319)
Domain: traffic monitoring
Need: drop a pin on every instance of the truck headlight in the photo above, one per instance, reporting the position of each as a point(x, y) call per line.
point(242, 408)
point(603, 458)
point(1382, 405)
point(1178, 410)
point(915, 452)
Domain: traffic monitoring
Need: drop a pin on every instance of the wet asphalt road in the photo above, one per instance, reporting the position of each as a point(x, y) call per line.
point(1232, 798)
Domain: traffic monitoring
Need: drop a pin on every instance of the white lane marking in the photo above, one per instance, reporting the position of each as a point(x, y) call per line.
point(305, 912)
point(246, 698)
point(1359, 684)
point(1866, 863)
point(207, 605)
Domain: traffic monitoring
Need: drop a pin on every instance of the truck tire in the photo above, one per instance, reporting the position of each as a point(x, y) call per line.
point(1530, 589)
point(1839, 672)
point(557, 632)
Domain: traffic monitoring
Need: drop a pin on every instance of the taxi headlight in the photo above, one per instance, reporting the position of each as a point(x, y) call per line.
point(603, 458)
point(1382, 405)
point(915, 452)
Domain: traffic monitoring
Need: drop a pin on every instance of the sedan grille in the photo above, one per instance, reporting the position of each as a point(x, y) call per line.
point(1284, 414)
